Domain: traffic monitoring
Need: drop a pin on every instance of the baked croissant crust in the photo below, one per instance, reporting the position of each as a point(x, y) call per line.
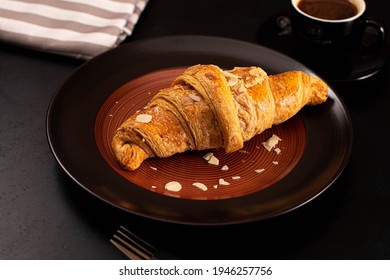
point(207, 107)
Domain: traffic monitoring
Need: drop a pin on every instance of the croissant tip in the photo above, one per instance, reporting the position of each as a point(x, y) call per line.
point(319, 91)
point(128, 155)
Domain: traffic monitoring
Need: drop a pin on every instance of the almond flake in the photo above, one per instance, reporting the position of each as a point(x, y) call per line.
point(201, 186)
point(173, 186)
point(231, 78)
point(254, 72)
point(275, 162)
point(195, 97)
point(236, 177)
point(208, 156)
point(213, 161)
point(277, 150)
point(153, 168)
point(260, 170)
point(143, 118)
point(241, 89)
point(266, 146)
point(232, 82)
point(223, 182)
point(225, 168)
point(229, 75)
point(271, 142)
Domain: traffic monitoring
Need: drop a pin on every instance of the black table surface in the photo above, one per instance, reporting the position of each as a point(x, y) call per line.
point(44, 214)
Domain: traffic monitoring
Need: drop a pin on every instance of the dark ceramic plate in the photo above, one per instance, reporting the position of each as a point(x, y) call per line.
point(98, 96)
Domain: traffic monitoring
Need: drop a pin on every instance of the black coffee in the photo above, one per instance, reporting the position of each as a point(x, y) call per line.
point(328, 9)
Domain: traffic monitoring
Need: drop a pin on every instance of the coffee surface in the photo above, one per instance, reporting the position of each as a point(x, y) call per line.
point(328, 9)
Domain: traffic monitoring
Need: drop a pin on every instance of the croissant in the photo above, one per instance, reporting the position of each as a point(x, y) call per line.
point(206, 107)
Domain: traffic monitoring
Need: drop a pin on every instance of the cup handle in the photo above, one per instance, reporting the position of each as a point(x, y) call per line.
point(372, 43)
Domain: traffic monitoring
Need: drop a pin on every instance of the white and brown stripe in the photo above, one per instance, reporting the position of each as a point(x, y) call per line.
point(80, 28)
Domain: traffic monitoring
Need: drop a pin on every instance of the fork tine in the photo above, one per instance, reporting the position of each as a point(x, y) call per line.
point(142, 243)
point(132, 246)
point(125, 251)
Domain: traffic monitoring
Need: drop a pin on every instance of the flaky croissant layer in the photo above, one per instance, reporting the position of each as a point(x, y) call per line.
point(207, 107)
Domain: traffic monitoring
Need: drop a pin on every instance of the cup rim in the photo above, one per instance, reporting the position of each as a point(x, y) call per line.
point(361, 7)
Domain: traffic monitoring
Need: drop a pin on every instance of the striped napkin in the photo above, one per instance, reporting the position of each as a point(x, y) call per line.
point(78, 28)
